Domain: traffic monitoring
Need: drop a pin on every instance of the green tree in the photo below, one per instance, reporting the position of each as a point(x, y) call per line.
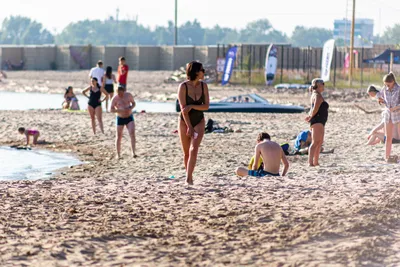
point(261, 31)
point(316, 37)
point(391, 35)
point(19, 30)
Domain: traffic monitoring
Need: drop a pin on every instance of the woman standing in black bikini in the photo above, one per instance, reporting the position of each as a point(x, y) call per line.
point(94, 104)
point(194, 99)
point(317, 118)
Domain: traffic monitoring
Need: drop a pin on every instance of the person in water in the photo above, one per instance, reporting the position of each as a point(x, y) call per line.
point(108, 81)
point(28, 133)
point(317, 118)
point(194, 100)
point(270, 154)
point(391, 116)
point(94, 104)
point(122, 104)
point(70, 100)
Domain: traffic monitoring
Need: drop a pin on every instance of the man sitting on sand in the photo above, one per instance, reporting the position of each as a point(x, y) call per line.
point(272, 155)
point(123, 104)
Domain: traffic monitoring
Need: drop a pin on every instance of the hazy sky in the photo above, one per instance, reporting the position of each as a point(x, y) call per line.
point(284, 14)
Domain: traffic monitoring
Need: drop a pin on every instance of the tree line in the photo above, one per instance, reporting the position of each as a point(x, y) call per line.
point(18, 30)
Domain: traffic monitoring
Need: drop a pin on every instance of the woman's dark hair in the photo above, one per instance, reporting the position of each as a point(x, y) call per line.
point(21, 129)
point(192, 69)
point(263, 136)
point(97, 82)
point(388, 78)
point(372, 88)
point(108, 72)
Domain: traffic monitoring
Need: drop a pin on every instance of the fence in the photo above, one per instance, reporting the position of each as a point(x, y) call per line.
point(294, 63)
point(302, 64)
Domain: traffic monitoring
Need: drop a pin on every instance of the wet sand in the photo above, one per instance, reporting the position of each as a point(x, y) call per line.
point(130, 213)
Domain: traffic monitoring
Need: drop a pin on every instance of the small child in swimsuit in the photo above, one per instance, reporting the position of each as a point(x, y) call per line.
point(28, 133)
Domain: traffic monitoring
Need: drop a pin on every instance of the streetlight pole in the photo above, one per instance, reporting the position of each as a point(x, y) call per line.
point(352, 44)
point(176, 23)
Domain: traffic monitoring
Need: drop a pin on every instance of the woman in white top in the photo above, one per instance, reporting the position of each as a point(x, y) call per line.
point(391, 98)
point(108, 81)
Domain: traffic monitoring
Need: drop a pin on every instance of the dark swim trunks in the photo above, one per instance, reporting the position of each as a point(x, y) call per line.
point(261, 173)
point(124, 121)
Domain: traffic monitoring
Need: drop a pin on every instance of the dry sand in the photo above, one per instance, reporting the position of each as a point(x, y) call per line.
point(130, 213)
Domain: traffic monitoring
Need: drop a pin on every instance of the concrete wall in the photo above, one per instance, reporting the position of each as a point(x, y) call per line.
point(111, 55)
point(132, 57)
point(170, 57)
point(12, 53)
point(182, 55)
point(166, 58)
point(96, 54)
point(148, 58)
point(39, 57)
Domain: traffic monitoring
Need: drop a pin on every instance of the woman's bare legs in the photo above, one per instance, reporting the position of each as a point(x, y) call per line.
point(194, 149)
point(185, 141)
point(110, 96)
point(99, 115)
point(92, 117)
point(389, 137)
point(317, 132)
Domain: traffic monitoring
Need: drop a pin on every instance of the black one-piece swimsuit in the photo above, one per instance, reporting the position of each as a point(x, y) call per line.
point(195, 116)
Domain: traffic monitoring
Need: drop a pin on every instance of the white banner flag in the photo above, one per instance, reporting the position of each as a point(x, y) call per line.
point(327, 55)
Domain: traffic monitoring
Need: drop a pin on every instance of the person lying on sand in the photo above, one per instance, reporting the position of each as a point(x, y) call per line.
point(28, 133)
point(272, 155)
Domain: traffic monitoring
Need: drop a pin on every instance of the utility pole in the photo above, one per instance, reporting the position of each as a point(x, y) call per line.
point(352, 44)
point(117, 14)
point(176, 23)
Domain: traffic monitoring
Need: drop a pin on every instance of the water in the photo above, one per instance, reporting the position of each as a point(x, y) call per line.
point(25, 101)
point(31, 164)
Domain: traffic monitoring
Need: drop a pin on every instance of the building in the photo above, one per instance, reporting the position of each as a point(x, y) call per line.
point(363, 31)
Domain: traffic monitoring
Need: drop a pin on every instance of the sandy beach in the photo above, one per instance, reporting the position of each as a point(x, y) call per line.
point(131, 213)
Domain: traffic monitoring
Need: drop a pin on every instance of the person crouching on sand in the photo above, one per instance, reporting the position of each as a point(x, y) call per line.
point(123, 104)
point(272, 155)
point(391, 98)
point(28, 133)
point(317, 118)
point(373, 92)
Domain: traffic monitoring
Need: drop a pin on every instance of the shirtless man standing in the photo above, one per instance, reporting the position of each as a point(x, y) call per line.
point(122, 104)
point(272, 155)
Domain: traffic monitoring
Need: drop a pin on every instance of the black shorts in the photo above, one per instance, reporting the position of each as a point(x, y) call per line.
point(109, 88)
point(124, 121)
point(94, 105)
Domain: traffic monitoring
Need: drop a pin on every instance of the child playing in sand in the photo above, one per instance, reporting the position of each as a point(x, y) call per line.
point(28, 133)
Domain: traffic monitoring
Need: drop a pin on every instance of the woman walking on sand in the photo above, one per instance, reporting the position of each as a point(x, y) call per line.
point(193, 99)
point(391, 98)
point(317, 118)
point(94, 104)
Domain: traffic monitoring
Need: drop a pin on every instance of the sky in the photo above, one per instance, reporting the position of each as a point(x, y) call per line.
point(284, 15)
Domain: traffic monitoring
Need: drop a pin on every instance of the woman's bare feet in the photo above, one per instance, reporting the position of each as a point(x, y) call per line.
point(189, 180)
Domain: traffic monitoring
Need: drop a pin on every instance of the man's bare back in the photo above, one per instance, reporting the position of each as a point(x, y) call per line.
point(272, 155)
point(123, 104)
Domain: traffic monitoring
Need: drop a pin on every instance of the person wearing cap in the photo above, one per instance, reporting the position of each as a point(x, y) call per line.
point(122, 104)
point(318, 116)
point(70, 100)
point(97, 72)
